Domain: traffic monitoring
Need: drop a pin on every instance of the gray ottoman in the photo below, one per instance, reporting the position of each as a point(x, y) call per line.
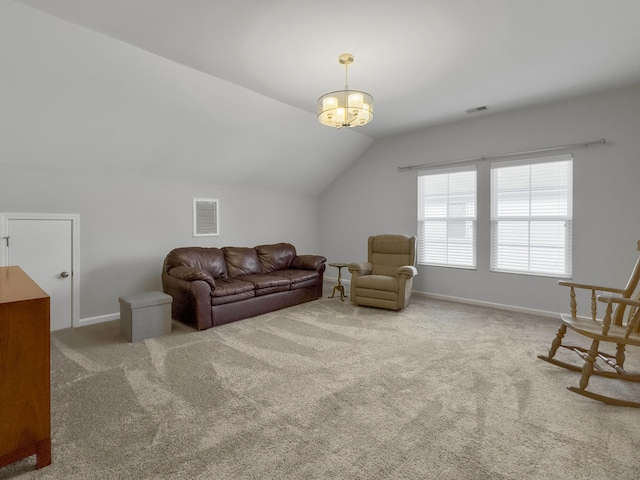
point(145, 315)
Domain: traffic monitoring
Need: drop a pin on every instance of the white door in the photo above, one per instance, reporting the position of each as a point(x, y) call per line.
point(43, 249)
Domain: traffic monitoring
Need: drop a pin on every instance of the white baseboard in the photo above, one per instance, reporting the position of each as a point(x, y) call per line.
point(468, 301)
point(435, 296)
point(480, 303)
point(99, 319)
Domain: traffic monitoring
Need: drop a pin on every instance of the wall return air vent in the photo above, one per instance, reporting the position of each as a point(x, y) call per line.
point(206, 217)
point(477, 109)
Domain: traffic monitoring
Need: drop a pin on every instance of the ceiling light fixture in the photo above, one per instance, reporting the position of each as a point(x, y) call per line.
point(345, 108)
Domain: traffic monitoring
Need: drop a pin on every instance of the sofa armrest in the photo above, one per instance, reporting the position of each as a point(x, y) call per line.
point(308, 262)
point(191, 274)
point(358, 269)
point(408, 271)
point(191, 300)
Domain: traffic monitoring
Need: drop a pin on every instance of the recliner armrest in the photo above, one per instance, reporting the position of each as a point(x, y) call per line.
point(363, 268)
point(408, 271)
point(191, 274)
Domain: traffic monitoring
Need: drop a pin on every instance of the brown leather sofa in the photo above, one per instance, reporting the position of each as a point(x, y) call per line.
point(212, 286)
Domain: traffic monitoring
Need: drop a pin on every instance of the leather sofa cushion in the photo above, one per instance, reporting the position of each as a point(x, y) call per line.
point(206, 258)
point(268, 283)
point(264, 281)
point(299, 276)
point(275, 257)
point(231, 286)
point(241, 261)
point(231, 290)
point(304, 284)
point(237, 297)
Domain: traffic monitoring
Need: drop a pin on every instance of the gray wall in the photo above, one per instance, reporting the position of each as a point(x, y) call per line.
point(87, 122)
point(81, 106)
point(129, 224)
point(76, 99)
point(372, 197)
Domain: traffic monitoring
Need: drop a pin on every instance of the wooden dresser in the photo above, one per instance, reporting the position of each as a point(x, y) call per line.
point(25, 385)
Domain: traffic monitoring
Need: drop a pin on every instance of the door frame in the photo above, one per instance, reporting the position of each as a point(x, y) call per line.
point(75, 250)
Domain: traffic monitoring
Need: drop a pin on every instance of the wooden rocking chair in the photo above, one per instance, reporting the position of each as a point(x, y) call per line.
point(612, 328)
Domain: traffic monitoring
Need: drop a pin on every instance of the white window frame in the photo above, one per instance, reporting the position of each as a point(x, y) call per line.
point(466, 217)
point(533, 249)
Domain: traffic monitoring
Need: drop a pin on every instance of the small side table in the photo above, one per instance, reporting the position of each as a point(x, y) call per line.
point(339, 287)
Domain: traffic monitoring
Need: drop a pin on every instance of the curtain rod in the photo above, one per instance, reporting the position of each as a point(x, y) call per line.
point(500, 155)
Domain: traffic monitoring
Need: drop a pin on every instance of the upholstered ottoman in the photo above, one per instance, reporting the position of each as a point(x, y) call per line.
point(145, 315)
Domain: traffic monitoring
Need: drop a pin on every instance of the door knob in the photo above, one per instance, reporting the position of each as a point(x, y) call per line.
point(64, 274)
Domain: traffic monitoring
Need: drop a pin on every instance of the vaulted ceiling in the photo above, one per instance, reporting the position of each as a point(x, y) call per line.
point(424, 61)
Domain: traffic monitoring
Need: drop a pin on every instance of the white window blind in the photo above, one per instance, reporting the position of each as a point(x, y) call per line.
point(531, 216)
point(447, 217)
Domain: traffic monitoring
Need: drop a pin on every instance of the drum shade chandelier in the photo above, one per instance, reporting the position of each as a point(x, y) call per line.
point(345, 108)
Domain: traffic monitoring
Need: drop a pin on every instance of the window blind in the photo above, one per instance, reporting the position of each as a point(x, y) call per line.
point(447, 217)
point(531, 216)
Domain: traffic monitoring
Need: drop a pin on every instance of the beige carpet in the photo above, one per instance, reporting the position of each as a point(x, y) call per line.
point(327, 390)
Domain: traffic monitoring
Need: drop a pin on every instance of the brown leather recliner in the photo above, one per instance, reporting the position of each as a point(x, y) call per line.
point(386, 279)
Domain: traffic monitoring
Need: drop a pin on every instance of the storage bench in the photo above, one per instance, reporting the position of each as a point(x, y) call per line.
point(145, 315)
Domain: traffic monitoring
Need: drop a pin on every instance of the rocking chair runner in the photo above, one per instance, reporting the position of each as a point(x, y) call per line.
point(612, 328)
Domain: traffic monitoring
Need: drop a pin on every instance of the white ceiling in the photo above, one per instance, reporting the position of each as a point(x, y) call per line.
point(424, 61)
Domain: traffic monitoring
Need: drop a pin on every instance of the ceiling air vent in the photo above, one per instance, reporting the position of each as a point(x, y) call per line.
point(477, 109)
point(206, 217)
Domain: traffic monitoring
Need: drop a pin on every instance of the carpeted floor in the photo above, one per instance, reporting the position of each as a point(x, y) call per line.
point(327, 390)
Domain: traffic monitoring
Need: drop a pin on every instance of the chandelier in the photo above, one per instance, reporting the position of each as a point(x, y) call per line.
point(345, 108)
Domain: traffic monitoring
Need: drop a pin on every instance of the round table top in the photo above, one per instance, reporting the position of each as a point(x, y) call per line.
point(339, 265)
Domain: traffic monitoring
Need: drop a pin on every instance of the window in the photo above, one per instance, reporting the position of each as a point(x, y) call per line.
point(531, 216)
point(447, 217)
